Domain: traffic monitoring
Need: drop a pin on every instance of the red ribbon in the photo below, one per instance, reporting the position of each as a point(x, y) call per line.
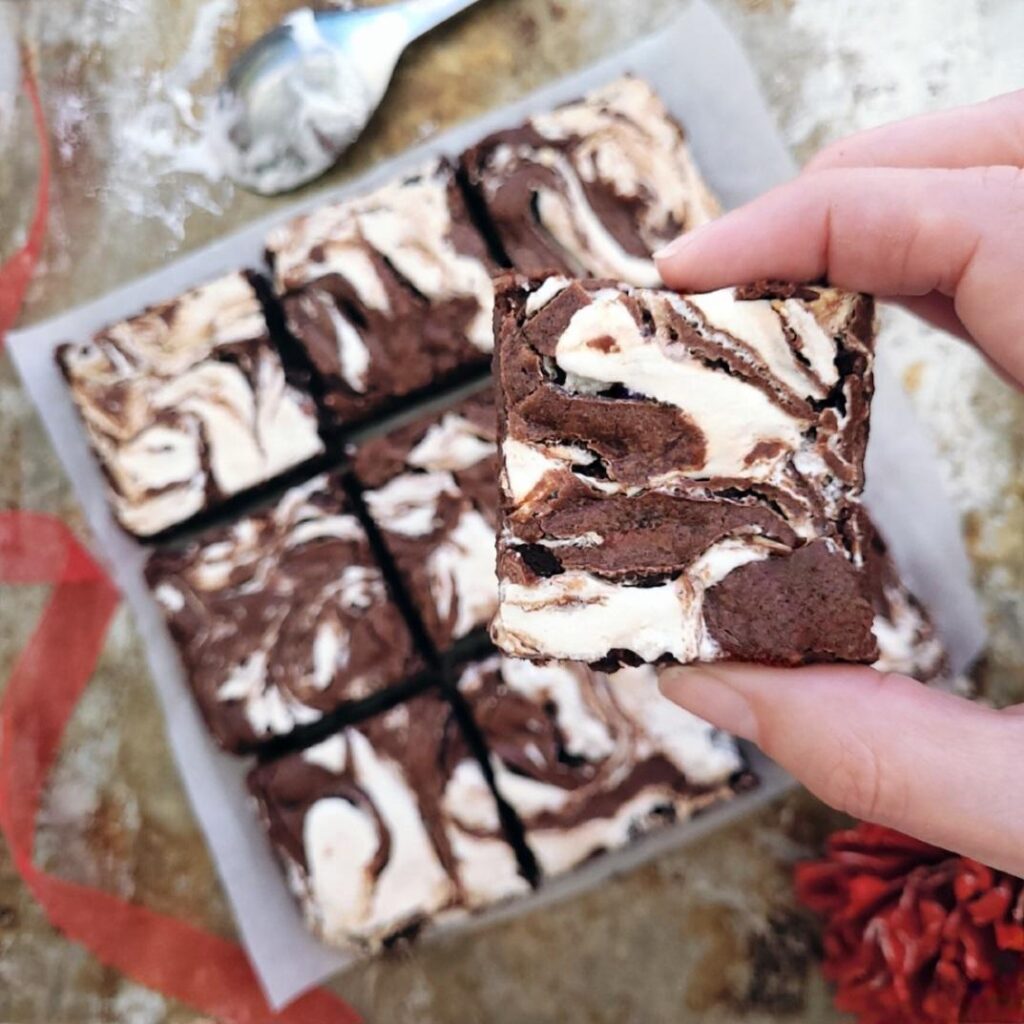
point(166, 954)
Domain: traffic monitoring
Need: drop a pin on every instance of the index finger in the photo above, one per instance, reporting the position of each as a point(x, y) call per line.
point(889, 231)
point(981, 135)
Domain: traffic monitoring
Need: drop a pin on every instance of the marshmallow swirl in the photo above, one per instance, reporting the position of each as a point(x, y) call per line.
point(386, 293)
point(588, 761)
point(593, 187)
point(283, 616)
point(386, 825)
point(187, 404)
point(673, 465)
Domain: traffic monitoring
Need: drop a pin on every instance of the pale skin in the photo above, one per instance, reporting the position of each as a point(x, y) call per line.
point(930, 213)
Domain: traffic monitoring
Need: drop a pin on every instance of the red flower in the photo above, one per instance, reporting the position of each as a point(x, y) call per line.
point(914, 934)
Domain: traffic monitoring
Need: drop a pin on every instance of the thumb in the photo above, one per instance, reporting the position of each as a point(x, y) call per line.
point(880, 747)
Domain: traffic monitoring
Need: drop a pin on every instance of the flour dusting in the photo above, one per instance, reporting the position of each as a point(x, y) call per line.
point(9, 67)
point(90, 819)
point(164, 164)
point(874, 66)
point(144, 123)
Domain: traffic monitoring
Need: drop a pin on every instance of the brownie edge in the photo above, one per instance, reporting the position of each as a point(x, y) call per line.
point(283, 617)
point(187, 406)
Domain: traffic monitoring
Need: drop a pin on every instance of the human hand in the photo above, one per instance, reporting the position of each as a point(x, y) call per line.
point(929, 212)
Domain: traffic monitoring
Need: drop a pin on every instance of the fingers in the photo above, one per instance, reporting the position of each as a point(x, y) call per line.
point(880, 747)
point(939, 311)
point(890, 231)
point(983, 135)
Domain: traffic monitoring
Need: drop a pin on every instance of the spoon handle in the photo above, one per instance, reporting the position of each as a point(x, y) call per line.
point(423, 15)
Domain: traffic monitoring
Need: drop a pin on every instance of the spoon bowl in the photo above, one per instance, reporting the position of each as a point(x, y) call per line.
point(304, 92)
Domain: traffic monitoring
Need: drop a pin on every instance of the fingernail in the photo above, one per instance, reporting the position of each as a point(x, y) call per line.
point(674, 248)
point(710, 696)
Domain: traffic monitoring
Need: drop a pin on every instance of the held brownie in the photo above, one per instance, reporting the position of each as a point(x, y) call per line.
point(432, 489)
point(385, 825)
point(682, 474)
point(590, 762)
point(387, 293)
point(187, 404)
point(282, 616)
point(907, 641)
point(592, 188)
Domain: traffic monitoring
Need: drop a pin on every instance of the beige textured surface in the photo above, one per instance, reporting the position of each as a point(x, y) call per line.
point(706, 935)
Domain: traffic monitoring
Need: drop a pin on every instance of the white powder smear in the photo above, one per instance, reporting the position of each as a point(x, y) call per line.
point(161, 141)
point(145, 123)
point(872, 64)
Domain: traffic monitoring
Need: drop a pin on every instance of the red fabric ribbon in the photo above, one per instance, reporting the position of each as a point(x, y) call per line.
point(166, 954)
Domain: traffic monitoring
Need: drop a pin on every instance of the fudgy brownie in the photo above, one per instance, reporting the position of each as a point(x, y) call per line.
point(590, 762)
point(386, 293)
point(682, 474)
point(187, 404)
point(386, 825)
point(592, 188)
point(282, 616)
point(432, 489)
point(907, 641)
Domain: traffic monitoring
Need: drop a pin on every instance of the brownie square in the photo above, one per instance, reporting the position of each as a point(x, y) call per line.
point(432, 489)
point(187, 404)
point(590, 762)
point(386, 825)
point(282, 617)
point(907, 641)
point(682, 474)
point(387, 293)
point(592, 188)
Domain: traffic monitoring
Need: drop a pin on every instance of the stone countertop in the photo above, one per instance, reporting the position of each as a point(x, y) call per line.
point(706, 934)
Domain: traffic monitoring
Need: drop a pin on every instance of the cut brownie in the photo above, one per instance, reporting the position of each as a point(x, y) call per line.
point(592, 188)
point(589, 761)
point(907, 641)
point(432, 489)
point(187, 404)
point(282, 617)
point(386, 293)
point(386, 825)
point(681, 474)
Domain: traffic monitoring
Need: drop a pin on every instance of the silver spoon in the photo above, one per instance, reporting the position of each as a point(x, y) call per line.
point(302, 94)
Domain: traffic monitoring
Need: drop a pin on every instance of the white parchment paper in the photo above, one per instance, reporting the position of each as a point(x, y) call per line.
point(704, 77)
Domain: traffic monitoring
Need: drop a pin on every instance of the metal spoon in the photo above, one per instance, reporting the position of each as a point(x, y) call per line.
point(302, 94)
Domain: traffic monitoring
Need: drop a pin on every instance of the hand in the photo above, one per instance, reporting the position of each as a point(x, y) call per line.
point(929, 212)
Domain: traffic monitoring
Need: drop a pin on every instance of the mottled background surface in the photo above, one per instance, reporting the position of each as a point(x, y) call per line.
point(708, 934)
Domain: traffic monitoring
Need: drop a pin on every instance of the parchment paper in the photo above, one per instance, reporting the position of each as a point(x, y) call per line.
point(704, 77)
